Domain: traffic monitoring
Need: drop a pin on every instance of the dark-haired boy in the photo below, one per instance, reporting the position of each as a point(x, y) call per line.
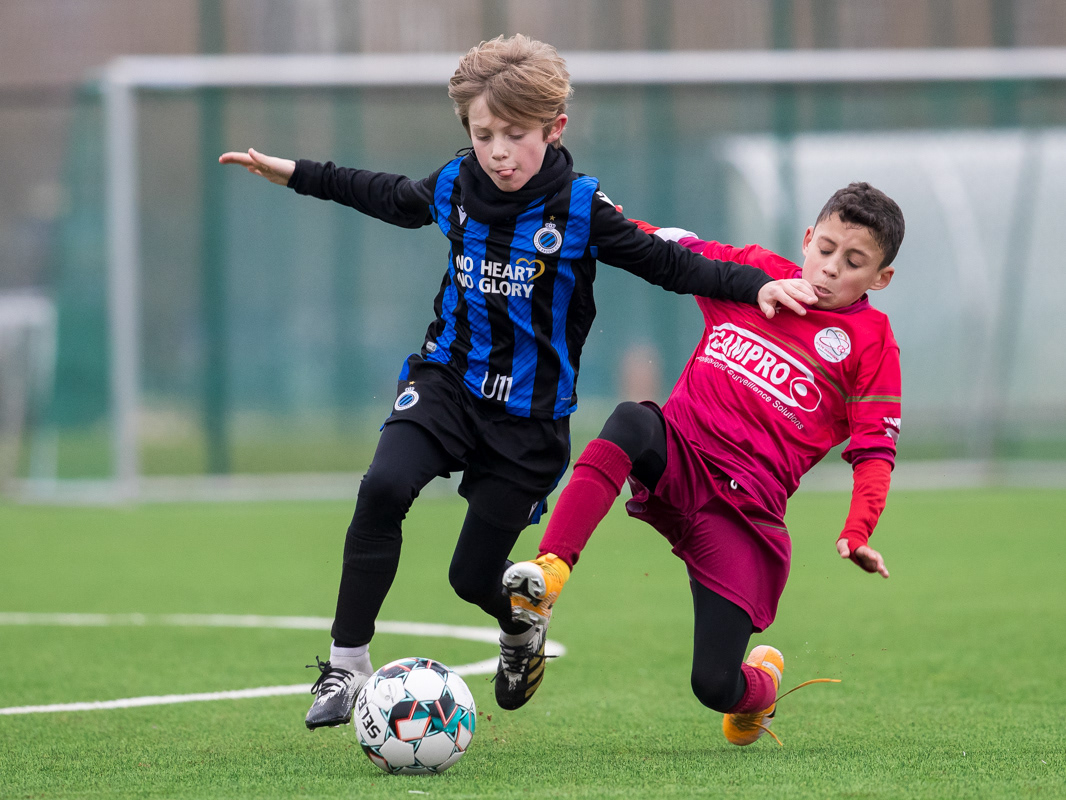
point(758, 404)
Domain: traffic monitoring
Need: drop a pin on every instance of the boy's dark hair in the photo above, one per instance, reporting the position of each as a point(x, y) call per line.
point(861, 204)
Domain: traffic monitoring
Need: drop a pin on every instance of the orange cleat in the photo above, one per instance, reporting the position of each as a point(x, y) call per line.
point(534, 586)
point(743, 729)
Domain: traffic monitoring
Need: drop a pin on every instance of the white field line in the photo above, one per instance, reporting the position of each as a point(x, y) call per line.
point(159, 700)
point(424, 629)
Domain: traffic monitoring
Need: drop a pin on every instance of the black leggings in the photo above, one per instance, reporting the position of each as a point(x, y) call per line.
point(721, 629)
point(406, 459)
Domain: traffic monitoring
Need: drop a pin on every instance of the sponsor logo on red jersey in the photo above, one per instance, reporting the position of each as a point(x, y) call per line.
point(765, 364)
point(832, 344)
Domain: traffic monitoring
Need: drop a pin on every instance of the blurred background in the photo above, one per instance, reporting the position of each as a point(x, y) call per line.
point(265, 331)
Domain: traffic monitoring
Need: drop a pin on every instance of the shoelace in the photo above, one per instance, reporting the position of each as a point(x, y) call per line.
point(515, 658)
point(330, 676)
point(742, 721)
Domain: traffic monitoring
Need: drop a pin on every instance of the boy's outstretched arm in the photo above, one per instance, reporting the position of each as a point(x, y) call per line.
point(275, 170)
point(792, 293)
point(393, 198)
point(868, 495)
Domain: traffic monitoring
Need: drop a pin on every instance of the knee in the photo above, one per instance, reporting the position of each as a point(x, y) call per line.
point(719, 690)
point(631, 427)
point(629, 413)
point(382, 495)
point(376, 531)
point(471, 587)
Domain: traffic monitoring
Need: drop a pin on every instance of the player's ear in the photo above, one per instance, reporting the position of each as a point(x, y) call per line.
point(807, 237)
point(556, 129)
point(884, 277)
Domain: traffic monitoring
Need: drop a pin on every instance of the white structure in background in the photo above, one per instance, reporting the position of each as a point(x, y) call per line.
point(974, 275)
point(126, 77)
point(27, 370)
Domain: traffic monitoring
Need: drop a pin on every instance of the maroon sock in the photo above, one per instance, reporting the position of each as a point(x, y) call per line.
point(597, 480)
point(760, 693)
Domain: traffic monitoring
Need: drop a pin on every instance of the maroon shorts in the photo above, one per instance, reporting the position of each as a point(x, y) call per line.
point(730, 543)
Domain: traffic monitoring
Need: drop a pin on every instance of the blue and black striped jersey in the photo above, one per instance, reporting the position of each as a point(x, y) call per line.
point(515, 304)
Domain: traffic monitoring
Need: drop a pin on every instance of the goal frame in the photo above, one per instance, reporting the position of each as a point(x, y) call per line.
point(125, 77)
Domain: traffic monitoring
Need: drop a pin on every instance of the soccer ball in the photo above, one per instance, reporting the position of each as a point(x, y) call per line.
point(414, 716)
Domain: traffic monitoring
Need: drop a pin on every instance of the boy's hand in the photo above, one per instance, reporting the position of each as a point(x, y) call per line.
point(791, 293)
point(275, 170)
point(865, 556)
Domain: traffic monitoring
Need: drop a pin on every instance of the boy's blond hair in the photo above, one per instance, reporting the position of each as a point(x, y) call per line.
point(524, 82)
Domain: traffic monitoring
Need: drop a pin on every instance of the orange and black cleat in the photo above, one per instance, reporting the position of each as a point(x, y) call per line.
point(534, 586)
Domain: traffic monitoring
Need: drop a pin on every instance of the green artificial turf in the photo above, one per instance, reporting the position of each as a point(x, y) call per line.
point(952, 670)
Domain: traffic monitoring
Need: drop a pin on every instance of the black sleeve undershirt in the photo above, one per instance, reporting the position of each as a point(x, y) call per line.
point(620, 243)
point(392, 198)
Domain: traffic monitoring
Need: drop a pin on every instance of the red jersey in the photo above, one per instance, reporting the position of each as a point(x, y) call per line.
point(765, 399)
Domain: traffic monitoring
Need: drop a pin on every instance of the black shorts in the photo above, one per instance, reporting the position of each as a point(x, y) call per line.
point(510, 464)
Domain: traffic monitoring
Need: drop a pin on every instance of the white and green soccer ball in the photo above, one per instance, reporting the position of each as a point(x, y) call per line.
point(414, 716)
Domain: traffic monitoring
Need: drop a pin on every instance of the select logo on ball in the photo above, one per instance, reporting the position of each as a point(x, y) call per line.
point(415, 716)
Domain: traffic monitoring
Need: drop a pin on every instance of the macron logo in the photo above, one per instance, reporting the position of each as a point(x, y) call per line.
point(462, 215)
point(892, 427)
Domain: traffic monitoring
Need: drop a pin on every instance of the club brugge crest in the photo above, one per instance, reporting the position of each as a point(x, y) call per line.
point(408, 397)
point(548, 240)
